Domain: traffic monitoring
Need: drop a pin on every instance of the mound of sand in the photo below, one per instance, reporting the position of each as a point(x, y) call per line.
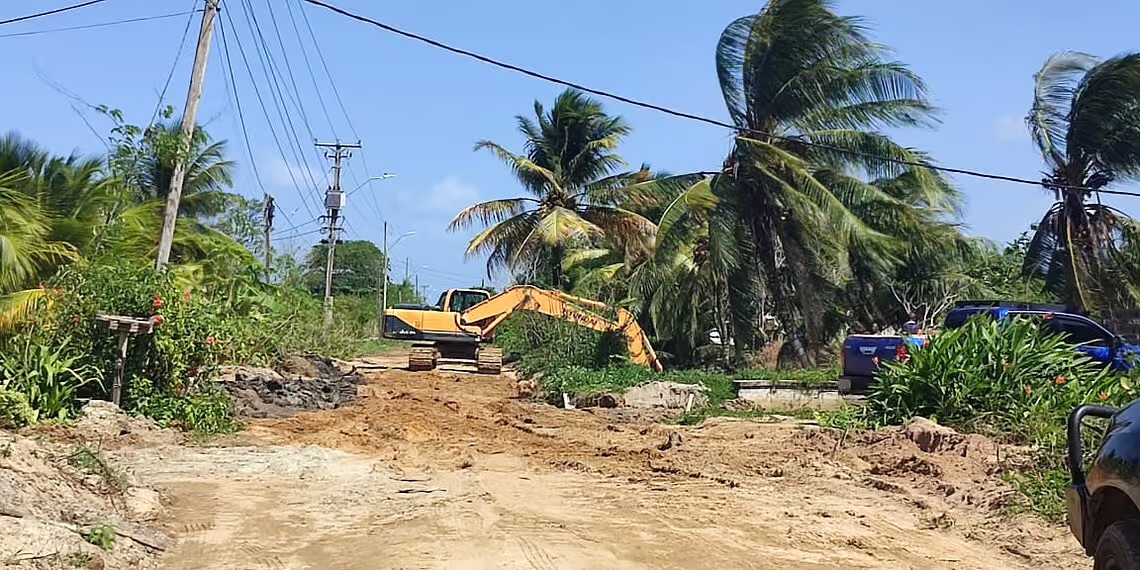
point(52, 496)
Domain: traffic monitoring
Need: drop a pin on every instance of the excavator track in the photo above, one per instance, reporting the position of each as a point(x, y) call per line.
point(422, 358)
point(489, 360)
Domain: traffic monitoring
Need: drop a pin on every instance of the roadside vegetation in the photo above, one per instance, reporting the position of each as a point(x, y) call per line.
point(78, 237)
point(816, 224)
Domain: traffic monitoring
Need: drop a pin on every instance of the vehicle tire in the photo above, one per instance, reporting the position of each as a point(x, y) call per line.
point(1119, 547)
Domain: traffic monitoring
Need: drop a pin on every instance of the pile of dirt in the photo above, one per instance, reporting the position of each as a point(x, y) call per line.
point(306, 383)
point(65, 505)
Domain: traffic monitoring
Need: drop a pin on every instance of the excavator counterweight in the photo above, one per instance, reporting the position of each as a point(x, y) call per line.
point(461, 325)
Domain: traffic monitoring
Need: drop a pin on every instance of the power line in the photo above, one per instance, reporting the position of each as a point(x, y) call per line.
point(173, 66)
point(372, 201)
point(308, 63)
point(50, 12)
point(302, 234)
point(296, 95)
point(273, 131)
point(265, 112)
point(99, 25)
point(241, 117)
point(276, 91)
point(699, 118)
point(325, 64)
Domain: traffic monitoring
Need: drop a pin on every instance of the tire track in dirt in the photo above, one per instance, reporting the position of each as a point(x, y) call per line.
point(511, 484)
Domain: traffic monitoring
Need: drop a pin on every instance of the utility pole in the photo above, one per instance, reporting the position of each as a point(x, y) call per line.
point(270, 208)
point(189, 117)
point(383, 286)
point(334, 203)
point(416, 292)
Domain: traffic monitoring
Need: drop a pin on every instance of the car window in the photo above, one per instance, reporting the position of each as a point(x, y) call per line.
point(1078, 331)
point(441, 301)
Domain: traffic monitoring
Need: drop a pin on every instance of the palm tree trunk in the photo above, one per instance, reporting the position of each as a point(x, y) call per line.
point(556, 255)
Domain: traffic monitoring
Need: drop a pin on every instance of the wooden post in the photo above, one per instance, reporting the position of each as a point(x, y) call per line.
point(120, 364)
point(125, 327)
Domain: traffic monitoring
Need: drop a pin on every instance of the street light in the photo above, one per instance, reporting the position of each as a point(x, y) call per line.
point(384, 176)
point(383, 300)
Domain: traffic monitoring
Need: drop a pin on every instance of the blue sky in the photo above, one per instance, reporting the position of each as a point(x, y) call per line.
point(418, 111)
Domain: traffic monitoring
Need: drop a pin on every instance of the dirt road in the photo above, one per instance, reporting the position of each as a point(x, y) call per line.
point(446, 470)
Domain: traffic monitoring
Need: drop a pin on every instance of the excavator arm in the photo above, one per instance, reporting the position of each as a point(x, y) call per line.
point(491, 313)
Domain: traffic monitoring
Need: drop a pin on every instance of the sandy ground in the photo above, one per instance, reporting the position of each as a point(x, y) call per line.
point(449, 470)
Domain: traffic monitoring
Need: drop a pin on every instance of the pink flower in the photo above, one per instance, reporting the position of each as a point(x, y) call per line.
point(210, 340)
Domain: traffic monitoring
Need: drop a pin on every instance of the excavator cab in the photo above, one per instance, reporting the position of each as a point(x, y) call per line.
point(459, 300)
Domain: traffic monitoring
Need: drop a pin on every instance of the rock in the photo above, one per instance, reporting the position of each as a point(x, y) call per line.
point(104, 422)
point(675, 440)
point(525, 389)
point(929, 436)
point(668, 395)
point(143, 503)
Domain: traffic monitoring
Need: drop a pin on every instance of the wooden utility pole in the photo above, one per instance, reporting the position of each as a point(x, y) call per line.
point(334, 203)
point(189, 117)
point(270, 209)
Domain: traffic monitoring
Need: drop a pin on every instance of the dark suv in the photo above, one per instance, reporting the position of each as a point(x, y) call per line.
point(1102, 504)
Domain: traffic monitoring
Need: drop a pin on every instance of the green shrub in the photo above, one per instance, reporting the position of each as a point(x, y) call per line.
point(995, 377)
point(1012, 380)
point(15, 412)
point(545, 344)
point(101, 535)
point(585, 381)
point(64, 354)
point(206, 411)
point(46, 377)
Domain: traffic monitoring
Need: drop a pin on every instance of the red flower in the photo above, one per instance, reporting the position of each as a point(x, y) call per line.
point(157, 319)
point(58, 289)
point(1060, 380)
point(1006, 366)
point(210, 340)
point(1048, 316)
point(186, 295)
point(1028, 389)
point(157, 303)
point(1103, 396)
point(75, 319)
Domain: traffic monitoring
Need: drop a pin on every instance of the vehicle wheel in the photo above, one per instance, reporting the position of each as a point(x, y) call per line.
point(1119, 547)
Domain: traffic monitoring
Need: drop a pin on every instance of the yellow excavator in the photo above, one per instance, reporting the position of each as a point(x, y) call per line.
point(459, 328)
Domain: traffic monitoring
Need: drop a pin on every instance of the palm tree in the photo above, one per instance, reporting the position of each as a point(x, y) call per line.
point(807, 89)
point(1086, 122)
point(209, 175)
point(574, 178)
point(27, 252)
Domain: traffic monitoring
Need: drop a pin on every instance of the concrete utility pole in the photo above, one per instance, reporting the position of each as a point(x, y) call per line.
point(189, 116)
point(382, 302)
point(270, 209)
point(387, 269)
point(334, 203)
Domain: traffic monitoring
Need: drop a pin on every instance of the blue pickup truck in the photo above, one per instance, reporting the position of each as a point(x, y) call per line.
point(862, 354)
